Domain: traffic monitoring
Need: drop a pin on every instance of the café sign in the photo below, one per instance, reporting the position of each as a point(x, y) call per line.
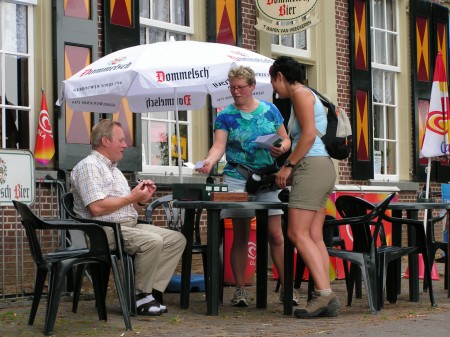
point(16, 177)
point(279, 12)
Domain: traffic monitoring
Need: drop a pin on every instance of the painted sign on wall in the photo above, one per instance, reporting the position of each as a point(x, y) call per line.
point(286, 17)
point(16, 177)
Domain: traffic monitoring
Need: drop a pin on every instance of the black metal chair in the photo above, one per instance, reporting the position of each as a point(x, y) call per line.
point(332, 238)
point(365, 220)
point(419, 243)
point(175, 219)
point(58, 264)
point(119, 253)
point(433, 244)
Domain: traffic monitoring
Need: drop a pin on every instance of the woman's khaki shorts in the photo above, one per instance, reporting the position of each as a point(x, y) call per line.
point(313, 181)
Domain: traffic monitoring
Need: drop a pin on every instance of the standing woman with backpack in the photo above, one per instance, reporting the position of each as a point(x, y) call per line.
point(313, 177)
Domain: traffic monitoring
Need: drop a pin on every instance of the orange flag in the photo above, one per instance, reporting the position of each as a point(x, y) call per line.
point(45, 147)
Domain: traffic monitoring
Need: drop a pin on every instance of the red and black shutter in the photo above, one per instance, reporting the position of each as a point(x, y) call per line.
point(361, 89)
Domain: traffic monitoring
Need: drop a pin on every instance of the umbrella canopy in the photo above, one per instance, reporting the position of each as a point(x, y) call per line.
point(436, 138)
point(436, 142)
point(173, 75)
point(163, 76)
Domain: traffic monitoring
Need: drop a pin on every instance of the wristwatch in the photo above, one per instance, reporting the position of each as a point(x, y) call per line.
point(288, 163)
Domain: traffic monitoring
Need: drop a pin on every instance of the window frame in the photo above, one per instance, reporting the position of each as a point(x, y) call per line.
point(30, 56)
point(187, 31)
point(395, 70)
point(291, 51)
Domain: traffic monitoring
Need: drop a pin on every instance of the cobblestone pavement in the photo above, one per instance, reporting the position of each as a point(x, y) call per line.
point(401, 319)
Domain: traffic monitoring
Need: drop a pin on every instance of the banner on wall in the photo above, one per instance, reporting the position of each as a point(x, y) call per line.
point(45, 147)
point(16, 177)
point(283, 17)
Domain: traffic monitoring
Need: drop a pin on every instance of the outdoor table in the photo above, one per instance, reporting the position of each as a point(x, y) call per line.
point(412, 212)
point(213, 280)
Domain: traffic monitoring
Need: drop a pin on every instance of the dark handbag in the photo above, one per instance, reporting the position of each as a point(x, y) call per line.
point(262, 180)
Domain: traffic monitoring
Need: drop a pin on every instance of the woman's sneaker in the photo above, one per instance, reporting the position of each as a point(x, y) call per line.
point(240, 298)
point(295, 300)
point(319, 306)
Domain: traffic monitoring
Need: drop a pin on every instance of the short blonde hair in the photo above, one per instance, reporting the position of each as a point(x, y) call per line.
point(246, 73)
point(102, 129)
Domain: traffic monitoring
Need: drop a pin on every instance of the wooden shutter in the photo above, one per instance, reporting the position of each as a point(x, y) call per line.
point(361, 89)
point(429, 34)
point(440, 37)
point(75, 45)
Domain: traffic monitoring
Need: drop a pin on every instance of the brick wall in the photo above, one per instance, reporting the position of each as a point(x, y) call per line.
point(17, 269)
point(248, 24)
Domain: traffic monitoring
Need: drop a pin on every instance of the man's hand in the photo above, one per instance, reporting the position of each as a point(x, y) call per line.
point(143, 192)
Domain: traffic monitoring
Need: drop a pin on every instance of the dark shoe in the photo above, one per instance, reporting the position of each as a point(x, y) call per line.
point(148, 306)
point(162, 307)
point(332, 308)
point(149, 309)
point(441, 259)
point(319, 306)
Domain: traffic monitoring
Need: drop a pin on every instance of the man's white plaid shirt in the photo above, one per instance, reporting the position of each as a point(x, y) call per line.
point(97, 178)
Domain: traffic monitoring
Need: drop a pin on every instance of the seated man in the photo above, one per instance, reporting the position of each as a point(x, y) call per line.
point(101, 192)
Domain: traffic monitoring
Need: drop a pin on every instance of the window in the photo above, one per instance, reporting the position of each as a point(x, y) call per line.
point(385, 67)
point(160, 20)
point(295, 45)
point(16, 73)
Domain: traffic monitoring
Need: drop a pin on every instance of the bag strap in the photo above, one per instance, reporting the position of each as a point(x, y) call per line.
point(242, 169)
point(322, 100)
point(292, 117)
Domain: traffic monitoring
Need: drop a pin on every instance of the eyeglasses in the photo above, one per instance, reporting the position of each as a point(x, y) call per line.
point(239, 88)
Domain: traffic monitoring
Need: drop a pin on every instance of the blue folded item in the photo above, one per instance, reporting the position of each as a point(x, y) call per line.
point(197, 283)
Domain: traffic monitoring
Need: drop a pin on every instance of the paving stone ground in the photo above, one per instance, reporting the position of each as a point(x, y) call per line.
point(401, 319)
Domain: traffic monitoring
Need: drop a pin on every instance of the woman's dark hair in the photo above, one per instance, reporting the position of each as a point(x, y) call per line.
point(292, 70)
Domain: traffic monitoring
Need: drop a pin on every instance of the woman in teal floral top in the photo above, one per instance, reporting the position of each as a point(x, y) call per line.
point(235, 130)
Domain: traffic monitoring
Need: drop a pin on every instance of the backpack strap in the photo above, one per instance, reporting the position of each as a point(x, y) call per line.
point(324, 101)
point(292, 118)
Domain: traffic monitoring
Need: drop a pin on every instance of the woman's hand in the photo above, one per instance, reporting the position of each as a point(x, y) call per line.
point(275, 152)
point(206, 168)
point(283, 176)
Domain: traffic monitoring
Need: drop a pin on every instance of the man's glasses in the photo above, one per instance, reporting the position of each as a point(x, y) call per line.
point(239, 88)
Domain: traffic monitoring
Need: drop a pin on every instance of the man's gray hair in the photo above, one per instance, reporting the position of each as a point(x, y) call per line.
point(102, 129)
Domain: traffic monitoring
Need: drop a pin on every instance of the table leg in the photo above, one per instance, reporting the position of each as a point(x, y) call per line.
point(261, 257)
point(186, 261)
point(213, 277)
point(393, 278)
point(413, 262)
point(288, 268)
point(448, 255)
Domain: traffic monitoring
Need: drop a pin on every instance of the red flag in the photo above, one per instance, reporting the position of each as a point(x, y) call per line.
point(44, 149)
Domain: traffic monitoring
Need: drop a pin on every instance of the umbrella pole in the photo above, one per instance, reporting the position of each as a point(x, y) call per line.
point(427, 192)
point(177, 127)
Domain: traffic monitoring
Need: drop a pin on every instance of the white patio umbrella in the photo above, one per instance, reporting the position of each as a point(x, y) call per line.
point(436, 139)
point(163, 76)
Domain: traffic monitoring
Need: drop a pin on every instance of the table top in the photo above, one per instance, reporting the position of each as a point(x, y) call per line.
point(397, 205)
point(189, 204)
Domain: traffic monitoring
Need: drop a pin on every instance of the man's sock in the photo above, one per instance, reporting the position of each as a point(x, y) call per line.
point(143, 298)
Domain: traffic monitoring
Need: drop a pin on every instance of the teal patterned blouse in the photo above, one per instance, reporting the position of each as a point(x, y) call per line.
point(243, 128)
